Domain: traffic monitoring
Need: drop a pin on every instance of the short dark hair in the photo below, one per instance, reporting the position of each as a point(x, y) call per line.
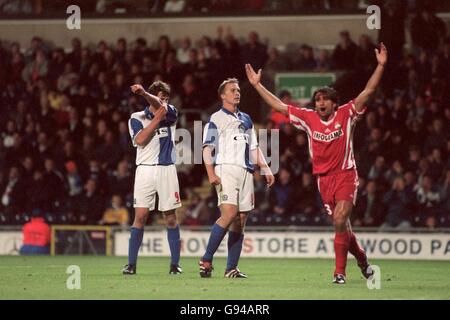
point(328, 92)
point(224, 83)
point(159, 86)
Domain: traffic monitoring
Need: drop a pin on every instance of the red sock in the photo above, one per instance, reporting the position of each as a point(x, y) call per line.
point(341, 245)
point(356, 250)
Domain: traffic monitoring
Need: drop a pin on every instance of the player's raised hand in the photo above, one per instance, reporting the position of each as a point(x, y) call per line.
point(253, 77)
point(137, 89)
point(214, 180)
point(381, 54)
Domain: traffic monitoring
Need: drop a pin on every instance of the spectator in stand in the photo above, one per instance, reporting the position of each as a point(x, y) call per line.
point(74, 182)
point(38, 68)
point(121, 180)
point(397, 201)
point(90, 204)
point(427, 30)
point(307, 196)
point(323, 61)
point(364, 61)
point(305, 61)
point(183, 50)
point(116, 214)
point(392, 31)
point(282, 195)
point(197, 212)
point(275, 63)
point(36, 236)
point(344, 53)
point(428, 200)
point(437, 137)
point(368, 210)
point(253, 52)
point(278, 118)
point(13, 192)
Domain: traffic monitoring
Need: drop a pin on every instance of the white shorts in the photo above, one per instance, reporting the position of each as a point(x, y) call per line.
point(236, 187)
point(152, 180)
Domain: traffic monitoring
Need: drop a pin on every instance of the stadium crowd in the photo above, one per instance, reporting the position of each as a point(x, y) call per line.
point(142, 8)
point(65, 149)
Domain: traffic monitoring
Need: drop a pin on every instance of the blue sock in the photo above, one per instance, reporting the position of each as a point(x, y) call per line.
point(134, 244)
point(216, 237)
point(173, 235)
point(234, 249)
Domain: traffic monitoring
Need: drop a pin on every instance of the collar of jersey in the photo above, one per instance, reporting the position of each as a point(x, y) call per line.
point(327, 123)
point(231, 113)
point(148, 113)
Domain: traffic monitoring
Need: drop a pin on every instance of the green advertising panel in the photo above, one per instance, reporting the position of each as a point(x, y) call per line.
point(302, 85)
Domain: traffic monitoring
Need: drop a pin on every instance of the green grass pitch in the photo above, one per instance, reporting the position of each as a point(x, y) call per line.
point(269, 279)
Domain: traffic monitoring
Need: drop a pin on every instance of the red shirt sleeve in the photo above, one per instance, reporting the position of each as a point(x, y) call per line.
point(299, 117)
point(351, 109)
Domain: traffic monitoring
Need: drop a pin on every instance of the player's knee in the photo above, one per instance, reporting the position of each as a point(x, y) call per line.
point(171, 221)
point(229, 216)
point(236, 226)
point(139, 220)
point(339, 218)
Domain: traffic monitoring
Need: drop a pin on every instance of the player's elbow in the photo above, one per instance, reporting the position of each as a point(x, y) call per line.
point(139, 140)
point(281, 107)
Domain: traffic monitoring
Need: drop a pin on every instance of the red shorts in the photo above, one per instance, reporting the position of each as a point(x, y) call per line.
point(338, 187)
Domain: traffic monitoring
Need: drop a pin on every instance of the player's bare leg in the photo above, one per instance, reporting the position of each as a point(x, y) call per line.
point(137, 233)
point(359, 253)
point(173, 236)
point(228, 213)
point(342, 239)
point(140, 217)
point(235, 240)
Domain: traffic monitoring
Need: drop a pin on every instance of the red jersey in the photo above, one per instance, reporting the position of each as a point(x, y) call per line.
point(330, 142)
point(36, 232)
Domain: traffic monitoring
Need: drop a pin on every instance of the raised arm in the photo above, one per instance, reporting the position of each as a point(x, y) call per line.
point(151, 99)
point(146, 134)
point(374, 80)
point(272, 100)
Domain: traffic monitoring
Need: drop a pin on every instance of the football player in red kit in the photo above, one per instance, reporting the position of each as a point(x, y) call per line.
point(330, 133)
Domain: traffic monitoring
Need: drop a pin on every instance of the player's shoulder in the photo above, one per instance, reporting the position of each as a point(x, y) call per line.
point(301, 112)
point(349, 104)
point(139, 115)
point(347, 108)
point(246, 118)
point(172, 108)
point(217, 117)
point(300, 108)
point(245, 115)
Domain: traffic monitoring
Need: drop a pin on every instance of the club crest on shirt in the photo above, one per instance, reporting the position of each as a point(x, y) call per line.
point(337, 126)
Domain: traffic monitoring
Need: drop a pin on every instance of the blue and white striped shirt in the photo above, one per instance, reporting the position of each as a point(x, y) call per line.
point(233, 136)
point(160, 150)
